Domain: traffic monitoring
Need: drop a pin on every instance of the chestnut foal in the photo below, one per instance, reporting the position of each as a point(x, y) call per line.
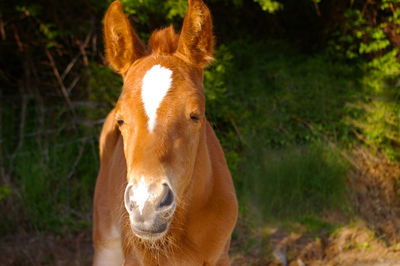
point(164, 194)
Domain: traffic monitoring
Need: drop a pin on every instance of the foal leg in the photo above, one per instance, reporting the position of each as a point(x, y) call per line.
point(108, 249)
point(108, 255)
point(224, 258)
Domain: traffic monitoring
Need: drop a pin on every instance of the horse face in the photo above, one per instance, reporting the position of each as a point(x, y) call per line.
point(160, 113)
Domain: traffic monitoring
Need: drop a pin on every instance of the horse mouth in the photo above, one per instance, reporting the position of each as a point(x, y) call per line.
point(152, 233)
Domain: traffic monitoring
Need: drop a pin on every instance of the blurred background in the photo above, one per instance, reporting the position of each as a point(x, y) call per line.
point(303, 95)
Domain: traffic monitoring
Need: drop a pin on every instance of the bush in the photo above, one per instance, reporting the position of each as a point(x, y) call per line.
point(368, 39)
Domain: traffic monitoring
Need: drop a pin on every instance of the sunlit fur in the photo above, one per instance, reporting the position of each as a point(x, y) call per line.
point(140, 194)
point(181, 149)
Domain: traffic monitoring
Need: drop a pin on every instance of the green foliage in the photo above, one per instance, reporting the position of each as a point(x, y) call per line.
point(31, 10)
point(365, 36)
point(50, 32)
point(270, 6)
point(364, 33)
point(378, 43)
point(152, 12)
point(279, 111)
point(314, 223)
point(50, 198)
point(176, 9)
point(222, 109)
point(4, 192)
point(268, 119)
point(54, 172)
point(378, 116)
point(287, 97)
point(104, 88)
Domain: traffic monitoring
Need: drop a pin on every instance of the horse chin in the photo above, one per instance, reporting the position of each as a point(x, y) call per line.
point(151, 235)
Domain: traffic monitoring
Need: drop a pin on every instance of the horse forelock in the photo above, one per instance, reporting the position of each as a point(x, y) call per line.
point(164, 41)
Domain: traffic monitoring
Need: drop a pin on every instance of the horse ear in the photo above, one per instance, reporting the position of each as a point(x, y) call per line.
point(196, 41)
point(122, 44)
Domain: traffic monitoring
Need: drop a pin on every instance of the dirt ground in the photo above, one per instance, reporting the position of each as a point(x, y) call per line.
point(371, 238)
point(37, 249)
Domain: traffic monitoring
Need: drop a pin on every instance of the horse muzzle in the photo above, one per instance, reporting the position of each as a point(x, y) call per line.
point(150, 207)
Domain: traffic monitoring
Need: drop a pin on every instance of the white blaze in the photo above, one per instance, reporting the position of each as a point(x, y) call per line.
point(140, 194)
point(156, 83)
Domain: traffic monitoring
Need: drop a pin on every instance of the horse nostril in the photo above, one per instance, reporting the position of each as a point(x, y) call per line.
point(168, 198)
point(129, 204)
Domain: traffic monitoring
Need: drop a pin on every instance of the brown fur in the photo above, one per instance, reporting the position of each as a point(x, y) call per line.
point(206, 212)
point(164, 41)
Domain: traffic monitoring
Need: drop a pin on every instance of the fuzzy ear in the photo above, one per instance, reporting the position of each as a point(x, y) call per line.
point(196, 41)
point(122, 44)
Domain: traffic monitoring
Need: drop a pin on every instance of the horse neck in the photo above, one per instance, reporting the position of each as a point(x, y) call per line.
point(200, 187)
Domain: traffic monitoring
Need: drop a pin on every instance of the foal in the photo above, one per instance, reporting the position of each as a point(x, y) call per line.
point(164, 194)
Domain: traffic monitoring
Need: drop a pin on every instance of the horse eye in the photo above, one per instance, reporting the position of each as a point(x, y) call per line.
point(120, 122)
point(194, 117)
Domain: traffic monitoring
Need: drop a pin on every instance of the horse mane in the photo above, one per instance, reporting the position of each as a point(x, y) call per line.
point(164, 41)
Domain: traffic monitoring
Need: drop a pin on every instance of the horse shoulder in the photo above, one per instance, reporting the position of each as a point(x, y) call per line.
point(223, 184)
point(212, 224)
point(223, 199)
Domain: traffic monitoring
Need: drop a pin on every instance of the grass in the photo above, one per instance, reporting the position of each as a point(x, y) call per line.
point(279, 108)
point(54, 172)
point(51, 197)
point(297, 184)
